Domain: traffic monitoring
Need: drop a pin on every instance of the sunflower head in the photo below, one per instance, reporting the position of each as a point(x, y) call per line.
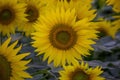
point(63, 39)
point(80, 72)
point(12, 67)
point(34, 8)
point(11, 15)
point(107, 28)
point(82, 8)
point(6, 15)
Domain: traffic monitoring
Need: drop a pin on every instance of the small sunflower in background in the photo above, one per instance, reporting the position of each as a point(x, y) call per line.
point(11, 15)
point(12, 67)
point(34, 8)
point(83, 7)
point(81, 72)
point(61, 38)
point(115, 4)
point(107, 28)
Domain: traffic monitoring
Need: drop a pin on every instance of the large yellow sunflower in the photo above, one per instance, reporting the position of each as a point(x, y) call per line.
point(12, 67)
point(115, 4)
point(11, 15)
point(62, 38)
point(107, 28)
point(34, 8)
point(80, 72)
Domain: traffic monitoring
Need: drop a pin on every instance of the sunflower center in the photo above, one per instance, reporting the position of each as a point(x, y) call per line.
point(102, 32)
point(5, 70)
point(32, 13)
point(80, 75)
point(63, 37)
point(68, 0)
point(6, 16)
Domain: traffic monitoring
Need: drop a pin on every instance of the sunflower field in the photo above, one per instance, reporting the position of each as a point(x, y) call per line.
point(59, 39)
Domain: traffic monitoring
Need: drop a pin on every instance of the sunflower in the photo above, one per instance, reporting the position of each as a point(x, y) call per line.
point(115, 4)
point(62, 38)
point(12, 67)
point(11, 15)
point(80, 72)
point(107, 28)
point(34, 8)
point(82, 7)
